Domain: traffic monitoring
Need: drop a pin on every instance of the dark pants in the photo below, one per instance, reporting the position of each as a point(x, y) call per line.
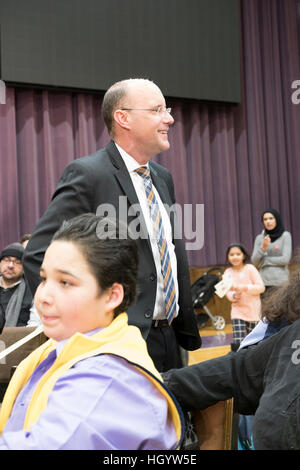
point(163, 348)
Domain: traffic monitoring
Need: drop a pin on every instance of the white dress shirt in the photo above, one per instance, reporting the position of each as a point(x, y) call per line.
point(138, 183)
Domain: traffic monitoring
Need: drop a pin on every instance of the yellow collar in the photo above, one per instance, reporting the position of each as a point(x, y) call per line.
point(119, 339)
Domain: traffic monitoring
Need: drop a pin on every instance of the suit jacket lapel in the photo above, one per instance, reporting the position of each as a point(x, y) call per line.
point(163, 192)
point(161, 188)
point(124, 179)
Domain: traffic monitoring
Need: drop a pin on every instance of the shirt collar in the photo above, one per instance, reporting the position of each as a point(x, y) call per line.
point(60, 344)
point(130, 162)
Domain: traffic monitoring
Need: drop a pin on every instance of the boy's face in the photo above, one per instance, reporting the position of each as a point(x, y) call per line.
point(67, 298)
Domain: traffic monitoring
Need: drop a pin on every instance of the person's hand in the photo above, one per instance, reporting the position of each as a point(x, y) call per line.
point(266, 242)
point(241, 289)
point(236, 295)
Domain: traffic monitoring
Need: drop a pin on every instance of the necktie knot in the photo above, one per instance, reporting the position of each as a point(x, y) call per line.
point(143, 171)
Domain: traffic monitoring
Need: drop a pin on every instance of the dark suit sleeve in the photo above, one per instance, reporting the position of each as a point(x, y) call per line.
point(73, 196)
point(239, 375)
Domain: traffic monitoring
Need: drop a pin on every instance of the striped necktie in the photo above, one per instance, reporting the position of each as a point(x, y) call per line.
point(169, 286)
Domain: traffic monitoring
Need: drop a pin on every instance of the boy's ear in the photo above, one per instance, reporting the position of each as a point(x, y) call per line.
point(115, 296)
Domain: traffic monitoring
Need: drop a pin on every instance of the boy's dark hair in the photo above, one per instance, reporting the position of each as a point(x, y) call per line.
point(243, 250)
point(109, 250)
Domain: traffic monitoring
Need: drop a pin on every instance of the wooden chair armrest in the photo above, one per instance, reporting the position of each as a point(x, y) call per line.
point(213, 426)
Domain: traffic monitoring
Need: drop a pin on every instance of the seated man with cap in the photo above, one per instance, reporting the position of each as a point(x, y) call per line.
point(15, 296)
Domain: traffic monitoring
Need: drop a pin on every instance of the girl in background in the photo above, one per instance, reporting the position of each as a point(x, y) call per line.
point(244, 294)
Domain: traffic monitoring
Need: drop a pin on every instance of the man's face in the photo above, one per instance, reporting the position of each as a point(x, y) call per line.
point(11, 269)
point(148, 128)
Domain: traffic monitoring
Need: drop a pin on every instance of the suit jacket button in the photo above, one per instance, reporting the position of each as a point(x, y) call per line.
point(152, 277)
point(148, 314)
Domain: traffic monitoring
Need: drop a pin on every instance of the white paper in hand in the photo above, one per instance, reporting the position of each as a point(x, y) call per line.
point(223, 286)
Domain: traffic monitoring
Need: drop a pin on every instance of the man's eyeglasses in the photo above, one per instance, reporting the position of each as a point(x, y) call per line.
point(159, 110)
point(15, 262)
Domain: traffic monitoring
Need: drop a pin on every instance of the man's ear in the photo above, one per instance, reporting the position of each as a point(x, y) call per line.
point(121, 118)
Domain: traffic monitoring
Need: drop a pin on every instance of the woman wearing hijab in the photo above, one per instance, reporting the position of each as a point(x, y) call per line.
point(272, 250)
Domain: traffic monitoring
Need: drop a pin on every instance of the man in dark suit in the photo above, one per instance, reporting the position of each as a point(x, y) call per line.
point(138, 121)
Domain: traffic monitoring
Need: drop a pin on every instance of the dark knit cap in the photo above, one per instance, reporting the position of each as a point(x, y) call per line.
point(14, 249)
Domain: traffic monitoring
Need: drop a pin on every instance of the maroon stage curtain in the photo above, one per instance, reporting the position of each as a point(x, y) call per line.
point(236, 160)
